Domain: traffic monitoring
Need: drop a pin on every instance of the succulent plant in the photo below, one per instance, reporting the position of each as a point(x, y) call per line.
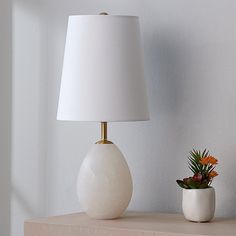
point(202, 165)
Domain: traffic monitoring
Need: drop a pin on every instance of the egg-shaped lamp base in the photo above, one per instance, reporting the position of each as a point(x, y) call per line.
point(104, 184)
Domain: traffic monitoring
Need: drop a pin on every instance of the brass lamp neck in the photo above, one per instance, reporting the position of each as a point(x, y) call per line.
point(103, 130)
point(104, 134)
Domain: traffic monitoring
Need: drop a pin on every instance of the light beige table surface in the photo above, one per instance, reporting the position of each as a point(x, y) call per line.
point(131, 224)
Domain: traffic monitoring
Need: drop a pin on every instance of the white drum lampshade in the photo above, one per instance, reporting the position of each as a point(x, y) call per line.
point(103, 81)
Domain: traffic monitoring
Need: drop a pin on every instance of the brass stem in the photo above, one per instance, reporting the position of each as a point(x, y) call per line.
point(103, 134)
point(103, 130)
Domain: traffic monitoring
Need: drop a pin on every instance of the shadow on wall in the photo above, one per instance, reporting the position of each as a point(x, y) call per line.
point(190, 102)
point(169, 63)
point(22, 201)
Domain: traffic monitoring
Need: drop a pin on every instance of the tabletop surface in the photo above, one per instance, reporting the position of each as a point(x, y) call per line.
point(132, 223)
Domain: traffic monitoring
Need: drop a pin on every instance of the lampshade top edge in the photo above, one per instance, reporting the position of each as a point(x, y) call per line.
point(98, 121)
point(128, 16)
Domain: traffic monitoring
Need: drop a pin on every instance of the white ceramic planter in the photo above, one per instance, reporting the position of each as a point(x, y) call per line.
point(198, 204)
point(104, 183)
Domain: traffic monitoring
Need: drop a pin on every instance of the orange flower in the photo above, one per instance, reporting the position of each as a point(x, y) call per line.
point(213, 174)
point(209, 160)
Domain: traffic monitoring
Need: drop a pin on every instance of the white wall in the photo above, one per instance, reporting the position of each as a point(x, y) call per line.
point(190, 55)
point(28, 113)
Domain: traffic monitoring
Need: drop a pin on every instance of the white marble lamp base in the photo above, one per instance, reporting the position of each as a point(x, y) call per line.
point(104, 185)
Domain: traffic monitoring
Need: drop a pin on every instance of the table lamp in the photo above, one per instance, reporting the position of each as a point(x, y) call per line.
point(103, 81)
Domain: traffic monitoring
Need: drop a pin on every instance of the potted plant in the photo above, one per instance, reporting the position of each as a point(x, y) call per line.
point(198, 200)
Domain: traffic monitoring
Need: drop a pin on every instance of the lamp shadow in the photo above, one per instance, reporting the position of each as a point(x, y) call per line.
point(169, 62)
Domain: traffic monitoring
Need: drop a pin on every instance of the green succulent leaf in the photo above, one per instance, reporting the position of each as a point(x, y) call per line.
point(192, 168)
point(192, 184)
point(204, 185)
point(182, 184)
